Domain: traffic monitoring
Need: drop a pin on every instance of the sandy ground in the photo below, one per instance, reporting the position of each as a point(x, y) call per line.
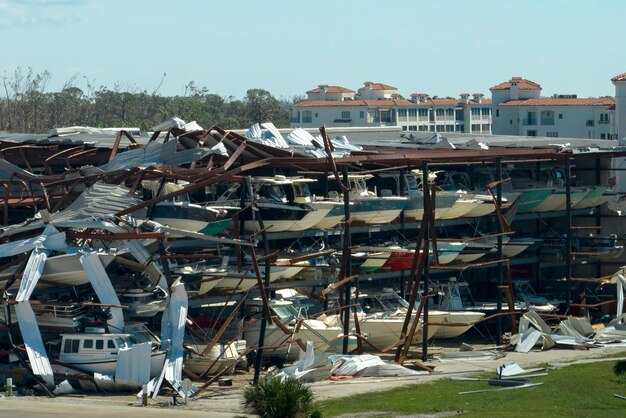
point(226, 401)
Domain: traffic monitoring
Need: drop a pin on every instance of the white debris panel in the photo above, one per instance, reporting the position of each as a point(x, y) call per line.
point(104, 289)
point(133, 365)
point(37, 355)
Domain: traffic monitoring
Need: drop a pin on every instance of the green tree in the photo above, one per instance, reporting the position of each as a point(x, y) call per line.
point(263, 107)
point(276, 398)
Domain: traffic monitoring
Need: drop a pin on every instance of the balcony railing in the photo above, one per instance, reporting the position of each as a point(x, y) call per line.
point(529, 122)
point(604, 122)
point(547, 121)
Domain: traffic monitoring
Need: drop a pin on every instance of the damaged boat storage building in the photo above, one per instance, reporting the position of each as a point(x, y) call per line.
point(214, 239)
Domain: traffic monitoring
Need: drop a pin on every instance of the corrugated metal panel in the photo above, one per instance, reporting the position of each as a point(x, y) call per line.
point(37, 355)
point(31, 275)
point(104, 289)
point(51, 239)
point(133, 365)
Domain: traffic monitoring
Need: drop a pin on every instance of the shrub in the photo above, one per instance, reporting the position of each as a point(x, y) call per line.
point(276, 398)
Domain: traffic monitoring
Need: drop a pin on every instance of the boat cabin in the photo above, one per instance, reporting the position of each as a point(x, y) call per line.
point(87, 348)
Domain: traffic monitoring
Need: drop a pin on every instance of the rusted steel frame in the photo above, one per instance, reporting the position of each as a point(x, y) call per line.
point(220, 175)
point(408, 340)
point(57, 155)
point(188, 256)
point(235, 155)
point(222, 329)
point(257, 272)
point(504, 224)
point(136, 184)
point(23, 155)
point(310, 256)
point(116, 237)
point(38, 303)
point(600, 280)
point(333, 310)
point(510, 294)
point(433, 231)
point(594, 305)
point(78, 154)
point(328, 146)
point(415, 277)
point(357, 326)
point(469, 266)
point(271, 256)
point(118, 140)
point(334, 286)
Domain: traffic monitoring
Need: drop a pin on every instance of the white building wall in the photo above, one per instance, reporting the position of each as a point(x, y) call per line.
point(620, 111)
point(568, 121)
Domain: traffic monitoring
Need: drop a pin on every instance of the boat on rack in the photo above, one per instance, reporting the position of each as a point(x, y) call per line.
point(275, 201)
point(584, 245)
point(98, 353)
point(141, 303)
point(366, 206)
point(222, 356)
point(325, 337)
point(381, 323)
point(447, 323)
point(55, 315)
point(455, 295)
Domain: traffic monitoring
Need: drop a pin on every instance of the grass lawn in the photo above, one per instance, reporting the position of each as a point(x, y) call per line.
point(582, 390)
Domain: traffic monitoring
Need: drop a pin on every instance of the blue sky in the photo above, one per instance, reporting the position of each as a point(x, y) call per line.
point(287, 47)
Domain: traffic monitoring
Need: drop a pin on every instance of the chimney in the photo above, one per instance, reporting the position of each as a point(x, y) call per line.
point(478, 97)
point(514, 90)
point(464, 98)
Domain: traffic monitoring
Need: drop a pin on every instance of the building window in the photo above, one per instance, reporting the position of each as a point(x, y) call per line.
point(307, 116)
point(486, 127)
point(412, 113)
point(439, 112)
point(423, 128)
point(460, 128)
point(486, 111)
point(449, 128)
point(316, 116)
point(422, 112)
point(431, 128)
point(560, 115)
point(602, 136)
point(531, 133)
point(404, 128)
point(450, 112)
point(402, 112)
point(511, 122)
point(497, 113)
point(460, 115)
point(475, 127)
point(440, 128)
point(552, 134)
point(361, 114)
point(413, 128)
point(344, 115)
point(476, 111)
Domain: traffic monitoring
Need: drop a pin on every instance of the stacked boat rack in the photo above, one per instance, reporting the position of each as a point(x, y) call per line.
point(199, 251)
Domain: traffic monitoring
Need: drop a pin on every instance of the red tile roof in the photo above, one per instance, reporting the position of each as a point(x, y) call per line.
point(379, 86)
point(332, 89)
point(378, 103)
point(620, 77)
point(592, 101)
point(387, 103)
point(522, 84)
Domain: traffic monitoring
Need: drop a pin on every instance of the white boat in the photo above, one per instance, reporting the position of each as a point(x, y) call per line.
point(54, 315)
point(142, 303)
point(278, 208)
point(444, 323)
point(219, 358)
point(454, 296)
point(97, 353)
point(63, 270)
point(379, 322)
point(324, 337)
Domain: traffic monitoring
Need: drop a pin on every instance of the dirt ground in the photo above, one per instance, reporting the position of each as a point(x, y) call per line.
point(220, 401)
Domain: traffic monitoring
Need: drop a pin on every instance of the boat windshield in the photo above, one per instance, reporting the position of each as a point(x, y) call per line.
point(273, 193)
point(285, 312)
